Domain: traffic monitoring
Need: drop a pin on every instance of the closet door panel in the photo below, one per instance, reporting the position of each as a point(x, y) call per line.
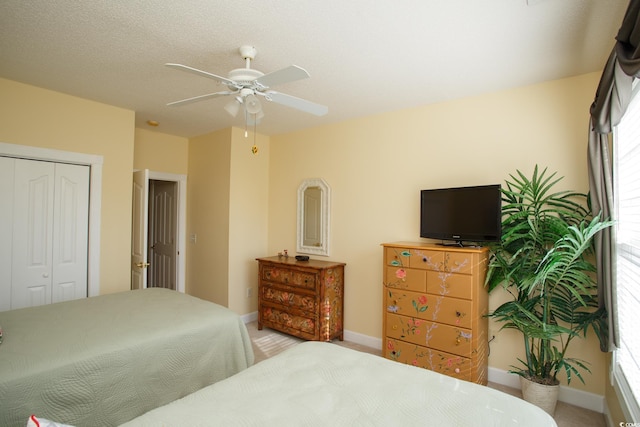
point(7, 166)
point(70, 225)
point(32, 233)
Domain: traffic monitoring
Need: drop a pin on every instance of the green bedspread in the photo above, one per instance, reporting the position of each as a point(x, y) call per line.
point(104, 360)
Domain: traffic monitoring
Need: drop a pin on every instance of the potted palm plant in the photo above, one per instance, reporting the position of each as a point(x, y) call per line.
point(543, 261)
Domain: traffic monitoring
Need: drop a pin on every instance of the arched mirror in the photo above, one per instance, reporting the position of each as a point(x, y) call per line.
point(313, 217)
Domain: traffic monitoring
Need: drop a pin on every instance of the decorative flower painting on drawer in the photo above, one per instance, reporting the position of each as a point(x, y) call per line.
point(419, 302)
point(291, 299)
point(400, 274)
point(397, 260)
point(287, 320)
point(452, 365)
point(394, 354)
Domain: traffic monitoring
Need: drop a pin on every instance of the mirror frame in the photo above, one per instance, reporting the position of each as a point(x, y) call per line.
point(325, 200)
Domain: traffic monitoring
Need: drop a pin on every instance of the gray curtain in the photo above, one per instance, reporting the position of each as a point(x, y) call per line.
point(610, 103)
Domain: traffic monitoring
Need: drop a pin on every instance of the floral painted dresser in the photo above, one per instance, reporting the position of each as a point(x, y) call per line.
point(301, 298)
point(435, 304)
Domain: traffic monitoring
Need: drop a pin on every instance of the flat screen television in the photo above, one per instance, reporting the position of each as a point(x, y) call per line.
point(461, 214)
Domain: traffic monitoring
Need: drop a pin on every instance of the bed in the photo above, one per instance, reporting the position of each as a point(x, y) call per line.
point(323, 384)
point(104, 360)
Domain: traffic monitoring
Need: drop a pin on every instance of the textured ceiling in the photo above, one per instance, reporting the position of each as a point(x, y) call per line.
point(365, 56)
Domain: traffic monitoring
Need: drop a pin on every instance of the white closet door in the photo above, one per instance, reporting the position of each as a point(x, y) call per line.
point(6, 230)
point(32, 233)
point(70, 225)
point(47, 232)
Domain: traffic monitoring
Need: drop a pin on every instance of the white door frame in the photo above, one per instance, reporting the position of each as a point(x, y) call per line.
point(95, 197)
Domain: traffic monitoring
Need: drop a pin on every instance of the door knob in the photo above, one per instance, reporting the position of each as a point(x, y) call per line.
point(143, 265)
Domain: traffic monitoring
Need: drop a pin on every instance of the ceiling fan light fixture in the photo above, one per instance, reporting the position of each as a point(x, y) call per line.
point(252, 104)
point(233, 107)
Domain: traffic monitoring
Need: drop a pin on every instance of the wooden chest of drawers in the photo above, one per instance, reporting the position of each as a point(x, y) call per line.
point(434, 306)
point(301, 298)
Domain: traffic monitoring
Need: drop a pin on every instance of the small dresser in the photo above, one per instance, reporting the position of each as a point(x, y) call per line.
point(434, 306)
point(301, 298)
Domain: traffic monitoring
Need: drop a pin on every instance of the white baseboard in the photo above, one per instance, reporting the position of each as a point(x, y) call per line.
point(362, 339)
point(250, 317)
point(572, 396)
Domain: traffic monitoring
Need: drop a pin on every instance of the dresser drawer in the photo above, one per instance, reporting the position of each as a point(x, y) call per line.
point(300, 326)
point(291, 277)
point(406, 278)
point(423, 357)
point(449, 284)
point(447, 338)
point(459, 262)
point(427, 259)
point(452, 311)
point(397, 257)
point(289, 299)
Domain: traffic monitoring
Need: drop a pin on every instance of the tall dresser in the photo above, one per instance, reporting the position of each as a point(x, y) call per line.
point(301, 298)
point(434, 305)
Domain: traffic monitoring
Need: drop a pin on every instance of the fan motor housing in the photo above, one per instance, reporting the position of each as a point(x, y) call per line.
point(244, 75)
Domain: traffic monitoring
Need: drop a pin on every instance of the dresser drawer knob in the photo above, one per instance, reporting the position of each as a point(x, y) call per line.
point(458, 341)
point(395, 327)
point(457, 370)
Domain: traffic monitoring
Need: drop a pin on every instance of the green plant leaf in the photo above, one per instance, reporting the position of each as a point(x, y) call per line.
point(542, 261)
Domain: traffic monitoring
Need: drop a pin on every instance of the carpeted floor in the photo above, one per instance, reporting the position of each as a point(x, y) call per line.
point(267, 343)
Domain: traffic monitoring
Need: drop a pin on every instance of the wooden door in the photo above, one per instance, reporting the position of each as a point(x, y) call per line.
point(162, 234)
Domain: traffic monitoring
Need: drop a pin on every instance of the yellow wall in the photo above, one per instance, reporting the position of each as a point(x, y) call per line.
point(208, 216)
point(377, 165)
point(247, 218)
point(227, 210)
point(42, 118)
point(160, 152)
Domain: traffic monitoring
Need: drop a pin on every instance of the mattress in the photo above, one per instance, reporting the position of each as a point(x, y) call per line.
point(104, 360)
point(323, 384)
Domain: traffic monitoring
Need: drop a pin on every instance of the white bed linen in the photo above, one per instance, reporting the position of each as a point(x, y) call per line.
point(325, 385)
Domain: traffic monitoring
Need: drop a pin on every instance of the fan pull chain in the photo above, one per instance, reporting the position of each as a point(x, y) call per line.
point(254, 149)
point(246, 118)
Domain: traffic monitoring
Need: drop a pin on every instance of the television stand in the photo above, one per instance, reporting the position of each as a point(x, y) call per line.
point(459, 244)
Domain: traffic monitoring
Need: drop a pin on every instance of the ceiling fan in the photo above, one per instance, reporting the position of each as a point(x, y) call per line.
point(247, 84)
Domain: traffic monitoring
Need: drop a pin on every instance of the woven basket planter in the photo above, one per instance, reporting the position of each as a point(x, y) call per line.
point(543, 396)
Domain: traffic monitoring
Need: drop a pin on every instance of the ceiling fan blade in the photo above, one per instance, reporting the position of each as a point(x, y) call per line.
point(297, 103)
point(201, 73)
point(199, 98)
point(286, 75)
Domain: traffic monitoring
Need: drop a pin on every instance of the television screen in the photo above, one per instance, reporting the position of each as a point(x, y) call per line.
point(469, 214)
